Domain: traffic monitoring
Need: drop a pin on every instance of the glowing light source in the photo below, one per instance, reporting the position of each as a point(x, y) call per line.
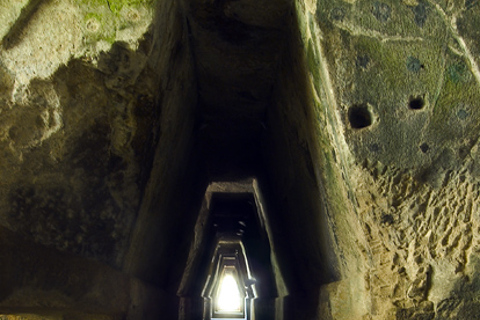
point(229, 299)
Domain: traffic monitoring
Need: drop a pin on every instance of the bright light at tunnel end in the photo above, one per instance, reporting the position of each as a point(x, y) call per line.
point(229, 299)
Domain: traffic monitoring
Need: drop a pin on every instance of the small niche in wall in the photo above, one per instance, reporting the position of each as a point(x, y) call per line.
point(416, 103)
point(359, 116)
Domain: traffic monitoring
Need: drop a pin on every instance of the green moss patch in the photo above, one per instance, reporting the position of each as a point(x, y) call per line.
point(115, 6)
point(104, 18)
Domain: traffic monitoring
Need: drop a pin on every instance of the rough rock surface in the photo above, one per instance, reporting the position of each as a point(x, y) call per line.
point(406, 82)
point(76, 116)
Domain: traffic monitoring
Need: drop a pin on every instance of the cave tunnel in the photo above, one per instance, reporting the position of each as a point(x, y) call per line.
point(239, 159)
point(246, 133)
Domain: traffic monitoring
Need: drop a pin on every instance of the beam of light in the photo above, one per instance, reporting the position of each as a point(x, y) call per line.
point(229, 296)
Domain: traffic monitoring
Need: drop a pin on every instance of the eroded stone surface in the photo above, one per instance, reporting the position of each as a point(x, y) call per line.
point(74, 130)
point(406, 86)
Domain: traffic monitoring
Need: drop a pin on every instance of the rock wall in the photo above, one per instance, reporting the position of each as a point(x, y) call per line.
point(73, 125)
point(81, 115)
point(404, 77)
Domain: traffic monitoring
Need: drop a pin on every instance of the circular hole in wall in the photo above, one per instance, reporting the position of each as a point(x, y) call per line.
point(416, 103)
point(359, 116)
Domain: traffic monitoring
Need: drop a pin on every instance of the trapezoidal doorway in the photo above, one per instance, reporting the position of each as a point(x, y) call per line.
point(229, 272)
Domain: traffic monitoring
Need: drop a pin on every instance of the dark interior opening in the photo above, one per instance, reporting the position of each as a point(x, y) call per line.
point(359, 116)
point(416, 103)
